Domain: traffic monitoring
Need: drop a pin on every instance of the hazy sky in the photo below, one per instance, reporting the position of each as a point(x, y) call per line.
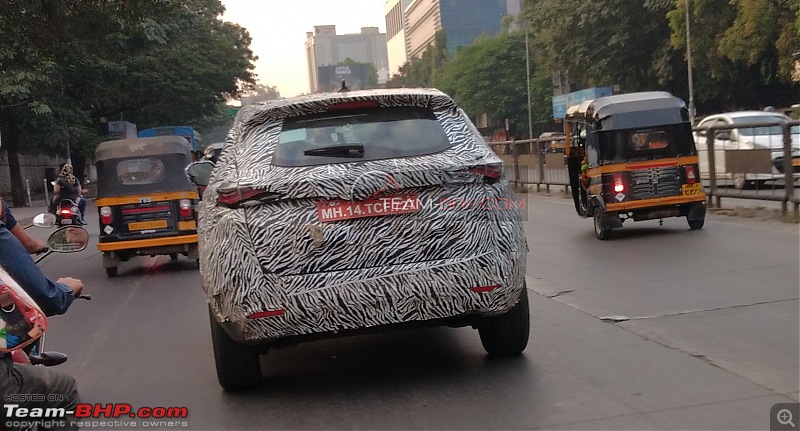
point(278, 29)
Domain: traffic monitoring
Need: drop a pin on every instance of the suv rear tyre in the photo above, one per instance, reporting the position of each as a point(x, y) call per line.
point(238, 365)
point(507, 334)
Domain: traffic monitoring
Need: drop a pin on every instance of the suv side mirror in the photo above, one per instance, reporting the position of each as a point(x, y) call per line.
point(199, 173)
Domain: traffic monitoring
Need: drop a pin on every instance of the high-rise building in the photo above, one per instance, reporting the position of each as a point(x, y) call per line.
point(395, 33)
point(462, 21)
point(326, 48)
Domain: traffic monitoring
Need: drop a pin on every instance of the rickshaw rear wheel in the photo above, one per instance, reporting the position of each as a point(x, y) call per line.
point(173, 256)
point(599, 232)
point(111, 272)
point(696, 224)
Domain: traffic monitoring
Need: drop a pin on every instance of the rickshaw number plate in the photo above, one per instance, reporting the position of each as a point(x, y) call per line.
point(143, 225)
point(692, 189)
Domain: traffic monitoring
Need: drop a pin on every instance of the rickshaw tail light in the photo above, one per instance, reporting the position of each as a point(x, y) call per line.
point(690, 176)
point(105, 215)
point(186, 208)
point(618, 186)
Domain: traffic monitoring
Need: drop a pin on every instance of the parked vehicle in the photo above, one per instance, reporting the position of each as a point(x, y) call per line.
point(631, 156)
point(767, 137)
point(146, 203)
point(186, 132)
point(326, 219)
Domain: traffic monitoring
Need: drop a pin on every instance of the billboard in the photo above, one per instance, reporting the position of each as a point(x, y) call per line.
point(330, 77)
point(121, 130)
point(561, 103)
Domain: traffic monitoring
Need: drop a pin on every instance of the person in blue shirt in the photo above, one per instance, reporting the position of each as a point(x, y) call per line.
point(53, 297)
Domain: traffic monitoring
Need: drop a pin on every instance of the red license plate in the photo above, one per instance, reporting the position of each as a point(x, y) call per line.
point(328, 211)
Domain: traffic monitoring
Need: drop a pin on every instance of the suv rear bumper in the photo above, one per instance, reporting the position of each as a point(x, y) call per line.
point(322, 305)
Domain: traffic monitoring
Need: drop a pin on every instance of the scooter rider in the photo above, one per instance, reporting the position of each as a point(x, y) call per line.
point(53, 298)
point(68, 187)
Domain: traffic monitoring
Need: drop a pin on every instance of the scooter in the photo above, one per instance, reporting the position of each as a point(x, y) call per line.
point(68, 213)
point(64, 240)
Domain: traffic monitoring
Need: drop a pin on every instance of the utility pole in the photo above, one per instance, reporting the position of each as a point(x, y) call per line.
point(528, 81)
point(689, 63)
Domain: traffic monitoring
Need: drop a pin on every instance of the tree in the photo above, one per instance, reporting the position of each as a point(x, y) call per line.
point(489, 77)
point(372, 79)
point(148, 62)
point(262, 93)
point(749, 47)
point(604, 42)
point(421, 71)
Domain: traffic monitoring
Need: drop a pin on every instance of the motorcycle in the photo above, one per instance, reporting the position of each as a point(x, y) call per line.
point(66, 239)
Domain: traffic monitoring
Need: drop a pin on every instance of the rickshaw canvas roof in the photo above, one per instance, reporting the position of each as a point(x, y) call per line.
point(137, 147)
point(604, 107)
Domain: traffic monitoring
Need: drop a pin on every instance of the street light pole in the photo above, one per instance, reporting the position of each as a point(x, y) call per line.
point(689, 63)
point(528, 81)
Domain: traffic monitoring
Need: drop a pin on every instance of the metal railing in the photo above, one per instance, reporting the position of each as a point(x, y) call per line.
point(538, 162)
point(736, 161)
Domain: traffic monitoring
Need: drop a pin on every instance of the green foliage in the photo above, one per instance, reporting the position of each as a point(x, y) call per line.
point(373, 71)
point(489, 77)
point(420, 72)
point(64, 66)
point(746, 45)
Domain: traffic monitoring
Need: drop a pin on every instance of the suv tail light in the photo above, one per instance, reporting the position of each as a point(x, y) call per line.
point(186, 208)
point(355, 105)
point(233, 198)
point(619, 186)
point(691, 178)
point(490, 172)
point(105, 215)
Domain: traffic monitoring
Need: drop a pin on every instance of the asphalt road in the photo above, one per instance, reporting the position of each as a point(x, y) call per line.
point(661, 328)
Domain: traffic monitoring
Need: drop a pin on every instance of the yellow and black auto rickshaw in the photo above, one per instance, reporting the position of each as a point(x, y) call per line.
point(145, 200)
point(632, 156)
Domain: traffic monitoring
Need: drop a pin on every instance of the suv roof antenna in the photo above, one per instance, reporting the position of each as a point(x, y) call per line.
point(344, 88)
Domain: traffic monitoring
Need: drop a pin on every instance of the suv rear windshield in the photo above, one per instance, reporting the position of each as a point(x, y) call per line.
point(343, 136)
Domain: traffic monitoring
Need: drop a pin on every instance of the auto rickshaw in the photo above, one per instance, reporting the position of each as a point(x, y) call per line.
point(145, 200)
point(632, 156)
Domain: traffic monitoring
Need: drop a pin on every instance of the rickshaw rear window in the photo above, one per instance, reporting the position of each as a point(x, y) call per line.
point(140, 171)
point(649, 140)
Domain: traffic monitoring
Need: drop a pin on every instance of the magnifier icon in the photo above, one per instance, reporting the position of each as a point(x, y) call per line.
point(785, 417)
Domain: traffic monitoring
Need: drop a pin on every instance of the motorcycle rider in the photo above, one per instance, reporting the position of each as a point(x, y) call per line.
point(32, 245)
point(68, 187)
point(54, 297)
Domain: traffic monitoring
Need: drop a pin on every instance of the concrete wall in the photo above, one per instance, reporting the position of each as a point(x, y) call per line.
point(33, 169)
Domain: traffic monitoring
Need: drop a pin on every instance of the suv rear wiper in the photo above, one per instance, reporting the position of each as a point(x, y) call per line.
point(352, 151)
